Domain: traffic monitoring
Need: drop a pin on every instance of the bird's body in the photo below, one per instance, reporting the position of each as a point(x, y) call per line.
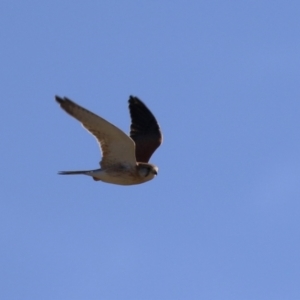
point(125, 159)
point(129, 174)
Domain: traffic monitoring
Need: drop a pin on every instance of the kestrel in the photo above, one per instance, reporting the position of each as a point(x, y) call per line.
point(124, 158)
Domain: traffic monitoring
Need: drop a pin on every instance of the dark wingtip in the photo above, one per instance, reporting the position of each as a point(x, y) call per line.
point(133, 100)
point(59, 99)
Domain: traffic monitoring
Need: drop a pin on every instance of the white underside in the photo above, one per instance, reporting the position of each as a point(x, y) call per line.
point(122, 178)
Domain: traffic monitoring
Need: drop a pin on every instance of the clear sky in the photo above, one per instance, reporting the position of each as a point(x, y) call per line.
point(221, 219)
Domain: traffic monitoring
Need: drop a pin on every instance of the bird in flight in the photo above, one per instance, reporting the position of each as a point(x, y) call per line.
point(124, 158)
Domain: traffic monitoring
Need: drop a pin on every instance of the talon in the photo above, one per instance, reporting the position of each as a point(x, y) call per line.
point(96, 179)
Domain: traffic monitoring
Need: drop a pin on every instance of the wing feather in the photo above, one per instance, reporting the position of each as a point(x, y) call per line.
point(144, 130)
point(116, 146)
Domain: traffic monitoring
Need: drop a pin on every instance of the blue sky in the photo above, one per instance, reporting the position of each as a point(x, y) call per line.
point(221, 220)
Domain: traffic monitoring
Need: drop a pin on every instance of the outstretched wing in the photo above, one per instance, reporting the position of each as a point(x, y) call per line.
point(144, 130)
point(116, 146)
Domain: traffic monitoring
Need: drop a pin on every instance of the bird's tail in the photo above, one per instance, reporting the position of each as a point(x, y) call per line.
point(94, 173)
point(74, 172)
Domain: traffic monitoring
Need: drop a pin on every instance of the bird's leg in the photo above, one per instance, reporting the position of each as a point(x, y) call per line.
point(96, 179)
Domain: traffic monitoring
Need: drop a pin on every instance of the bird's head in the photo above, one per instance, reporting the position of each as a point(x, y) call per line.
point(147, 171)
